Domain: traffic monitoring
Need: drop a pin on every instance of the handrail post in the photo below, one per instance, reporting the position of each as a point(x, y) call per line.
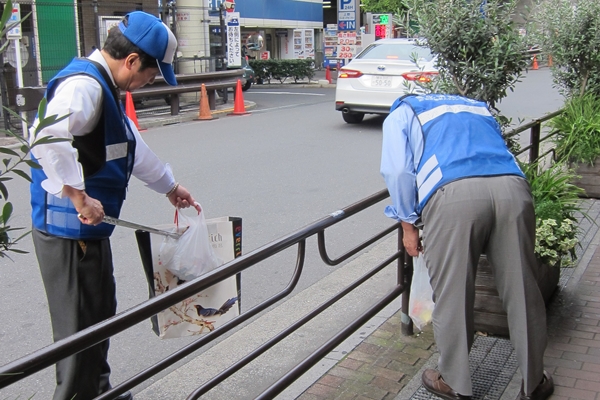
point(404, 278)
point(534, 140)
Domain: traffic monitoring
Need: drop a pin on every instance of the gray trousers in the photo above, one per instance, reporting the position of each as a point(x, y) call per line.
point(81, 292)
point(462, 220)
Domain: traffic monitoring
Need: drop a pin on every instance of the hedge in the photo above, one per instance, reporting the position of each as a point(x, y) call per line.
point(265, 70)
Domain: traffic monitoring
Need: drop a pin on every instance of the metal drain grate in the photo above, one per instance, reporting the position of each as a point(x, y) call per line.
point(492, 363)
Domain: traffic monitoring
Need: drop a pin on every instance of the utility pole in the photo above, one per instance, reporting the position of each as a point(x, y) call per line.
point(223, 37)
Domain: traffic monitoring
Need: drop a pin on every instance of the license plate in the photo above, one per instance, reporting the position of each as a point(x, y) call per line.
point(381, 81)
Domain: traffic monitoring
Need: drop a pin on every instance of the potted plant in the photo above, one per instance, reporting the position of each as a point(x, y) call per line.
point(556, 201)
point(577, 139)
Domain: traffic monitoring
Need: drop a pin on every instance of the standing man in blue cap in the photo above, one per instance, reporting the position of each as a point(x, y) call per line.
point(86, 178)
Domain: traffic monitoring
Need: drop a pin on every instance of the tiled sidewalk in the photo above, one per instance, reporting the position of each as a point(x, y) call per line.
point(387, 365)
point(378, 368)
point(573, 354)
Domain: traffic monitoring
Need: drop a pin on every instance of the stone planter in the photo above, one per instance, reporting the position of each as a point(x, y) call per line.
point(590, 178)
point(489, 315)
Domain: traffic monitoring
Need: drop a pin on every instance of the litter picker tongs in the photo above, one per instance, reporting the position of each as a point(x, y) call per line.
point(133, 225)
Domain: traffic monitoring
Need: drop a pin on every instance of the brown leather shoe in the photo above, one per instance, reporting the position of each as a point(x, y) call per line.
point(542, 391)
point(433, 382)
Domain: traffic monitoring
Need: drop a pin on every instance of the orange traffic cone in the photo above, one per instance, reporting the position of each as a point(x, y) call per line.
point(238, 104)
point(535, 63)
point(130, 110)
point(549, 60)
point(204, 113)
point(328, 74)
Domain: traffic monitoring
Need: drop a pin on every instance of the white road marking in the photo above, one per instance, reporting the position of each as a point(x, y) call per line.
point(303, 94)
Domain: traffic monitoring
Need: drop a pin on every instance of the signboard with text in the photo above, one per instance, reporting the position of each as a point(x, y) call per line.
point(346, 45)
point(15, 32)
point(234, 46)
point(347, 15)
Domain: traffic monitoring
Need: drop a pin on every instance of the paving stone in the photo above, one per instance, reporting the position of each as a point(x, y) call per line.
point(382, 372)
point(351, 364)
point(322, 391)
point(360, 356)
point(386, 384)
point(572, 393)
point(349, 374)
point(331, 380)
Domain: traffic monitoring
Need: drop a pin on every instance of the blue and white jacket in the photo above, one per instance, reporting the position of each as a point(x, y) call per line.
point(432, 140)
point(106, 155)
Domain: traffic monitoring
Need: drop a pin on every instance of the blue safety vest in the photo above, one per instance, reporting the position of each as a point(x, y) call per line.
point(107, 183)
point(461, 140)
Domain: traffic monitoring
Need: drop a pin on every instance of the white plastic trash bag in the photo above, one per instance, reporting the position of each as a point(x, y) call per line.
point(190, 255)
point(420, 305)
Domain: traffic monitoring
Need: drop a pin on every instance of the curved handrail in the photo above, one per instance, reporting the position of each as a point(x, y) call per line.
point(292, 328)
point(49, 355)
point(43, 358)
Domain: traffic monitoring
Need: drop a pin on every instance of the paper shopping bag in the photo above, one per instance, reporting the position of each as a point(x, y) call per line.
point(208, 309)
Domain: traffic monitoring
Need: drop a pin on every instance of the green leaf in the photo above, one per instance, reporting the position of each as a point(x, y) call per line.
point(22, 174)
point(4, 191)
point(6, 13)
point(7, 211)
point(18, 251)
point(42, 109)
point(32, 164)
point(8, 151)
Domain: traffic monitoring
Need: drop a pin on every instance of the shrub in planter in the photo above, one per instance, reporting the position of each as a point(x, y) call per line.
point(556, 201)
point(577, 129)
point(577, 139)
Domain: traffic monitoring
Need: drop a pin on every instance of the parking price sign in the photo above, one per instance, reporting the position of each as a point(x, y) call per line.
point(346, 15)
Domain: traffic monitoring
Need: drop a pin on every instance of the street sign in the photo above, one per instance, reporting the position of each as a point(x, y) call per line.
point(234, 49)
point(346, 15)
point(15, 33)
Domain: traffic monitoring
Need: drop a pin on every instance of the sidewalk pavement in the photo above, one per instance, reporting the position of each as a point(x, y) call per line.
point(387, 365)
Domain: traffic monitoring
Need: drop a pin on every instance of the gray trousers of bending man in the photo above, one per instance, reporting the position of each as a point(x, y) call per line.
point(463, 219)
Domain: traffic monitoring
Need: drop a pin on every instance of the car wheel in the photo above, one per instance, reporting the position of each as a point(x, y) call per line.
point(246, 86)
point(353, 118)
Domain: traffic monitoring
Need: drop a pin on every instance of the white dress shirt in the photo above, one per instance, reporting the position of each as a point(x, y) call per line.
point(81, 96)
point(402, 149)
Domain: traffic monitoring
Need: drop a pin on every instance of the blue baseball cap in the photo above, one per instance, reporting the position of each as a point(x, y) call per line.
point(155, 38)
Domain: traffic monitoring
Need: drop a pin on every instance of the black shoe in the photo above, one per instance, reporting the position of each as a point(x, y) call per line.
point(125, 396)
point(542, 391)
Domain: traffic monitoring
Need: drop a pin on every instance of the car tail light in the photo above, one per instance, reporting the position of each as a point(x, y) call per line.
point(349, 73)
point(422, 77)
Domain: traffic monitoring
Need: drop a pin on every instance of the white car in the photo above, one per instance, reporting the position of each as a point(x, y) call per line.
point(379, 75)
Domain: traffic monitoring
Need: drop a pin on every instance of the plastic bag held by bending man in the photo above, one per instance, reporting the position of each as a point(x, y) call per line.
point(191, 255)
point(420, 305)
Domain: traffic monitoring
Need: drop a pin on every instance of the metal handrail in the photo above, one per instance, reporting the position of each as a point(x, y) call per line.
point(78, 342)
point(534, 136)
point(292, 328)
point(88, 337)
